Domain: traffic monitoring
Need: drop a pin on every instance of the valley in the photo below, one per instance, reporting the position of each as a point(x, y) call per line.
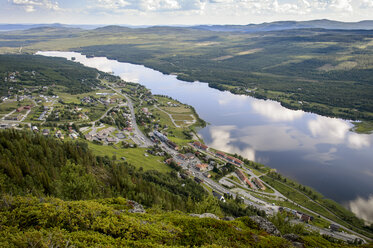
point(124, 121)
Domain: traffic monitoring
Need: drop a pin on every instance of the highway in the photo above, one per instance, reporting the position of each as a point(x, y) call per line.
point(146, 142)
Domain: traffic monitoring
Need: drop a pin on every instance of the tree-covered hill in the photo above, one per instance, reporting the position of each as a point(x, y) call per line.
point(19, 71)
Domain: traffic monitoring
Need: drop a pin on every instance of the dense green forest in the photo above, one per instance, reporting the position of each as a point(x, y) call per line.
point(20, 71)
point(33, 164)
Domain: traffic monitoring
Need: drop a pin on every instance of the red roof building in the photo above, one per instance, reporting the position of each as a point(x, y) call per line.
point(199, 145)
point(221, 154)
point(202, 167)
point(259, 184)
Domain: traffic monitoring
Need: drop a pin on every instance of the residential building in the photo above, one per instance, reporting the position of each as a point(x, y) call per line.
point(218, 196)
point(258, 183)
point(199, 145)
point(201, 167)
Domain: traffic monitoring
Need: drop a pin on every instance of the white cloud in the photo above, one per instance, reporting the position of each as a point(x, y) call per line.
point(222, 140)
point(149, 5)
point(33, 5)
point(342, 5)
point(366, 4)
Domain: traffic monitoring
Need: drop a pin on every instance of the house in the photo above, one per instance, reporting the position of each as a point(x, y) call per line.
point(120, 136)
point(199, 145)
point(172, 145)
point(189, 155)
point(218, 196)
point(19, 109)
point(258, 183)
point(111, 140)
point(243, 177)
point(160, 136)
point(45, 132)
point(35, 129)
point(220, 154)
point(238, 162)
point(181, 156)
point(201, 167)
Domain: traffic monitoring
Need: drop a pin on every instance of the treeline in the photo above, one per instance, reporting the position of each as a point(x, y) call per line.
point(33, 164)
point(35, 70)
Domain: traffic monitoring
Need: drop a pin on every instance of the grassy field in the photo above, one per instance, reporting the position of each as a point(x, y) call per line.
point(134, 156)
point(365, 127)
point(7, 107)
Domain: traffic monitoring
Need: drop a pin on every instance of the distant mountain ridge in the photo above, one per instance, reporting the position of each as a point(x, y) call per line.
point(250, 28)
point(14, 27)
point(286, 25)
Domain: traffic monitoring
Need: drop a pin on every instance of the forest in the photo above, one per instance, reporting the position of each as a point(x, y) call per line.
point(20, 71)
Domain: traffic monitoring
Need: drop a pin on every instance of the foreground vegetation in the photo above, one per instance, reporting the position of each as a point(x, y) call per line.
point(51, 222)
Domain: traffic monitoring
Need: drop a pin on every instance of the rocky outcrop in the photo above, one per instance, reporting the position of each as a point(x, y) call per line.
point(228, 218)
point(294, 239)
point(206, 215)
point(136, 207)
point(266, 225)
point(291, 237)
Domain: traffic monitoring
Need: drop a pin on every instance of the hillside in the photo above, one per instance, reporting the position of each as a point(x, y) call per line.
point(51, 222)
point(286, 25)
point(38, 169)
point(328, 72)
point(26, 71)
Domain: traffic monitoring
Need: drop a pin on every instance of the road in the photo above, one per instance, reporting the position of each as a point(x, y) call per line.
point(169, 115)
point(146, 142)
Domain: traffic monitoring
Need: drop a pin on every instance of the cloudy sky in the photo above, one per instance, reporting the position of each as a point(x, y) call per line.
point(155, 12)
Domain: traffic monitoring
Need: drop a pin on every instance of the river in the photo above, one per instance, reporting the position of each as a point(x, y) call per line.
point(317, 151)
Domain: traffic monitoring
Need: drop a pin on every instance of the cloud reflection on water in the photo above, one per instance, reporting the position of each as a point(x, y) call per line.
point(222, 140)
point(275, 112)
point(363, 208)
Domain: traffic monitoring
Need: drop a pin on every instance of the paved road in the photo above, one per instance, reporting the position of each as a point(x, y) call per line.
point(137, 132)
point(9, 114)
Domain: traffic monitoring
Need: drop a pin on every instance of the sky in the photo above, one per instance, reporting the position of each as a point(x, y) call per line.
point(181, 12)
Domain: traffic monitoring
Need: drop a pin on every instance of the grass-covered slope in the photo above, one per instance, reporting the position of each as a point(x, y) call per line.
point(51, 222)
